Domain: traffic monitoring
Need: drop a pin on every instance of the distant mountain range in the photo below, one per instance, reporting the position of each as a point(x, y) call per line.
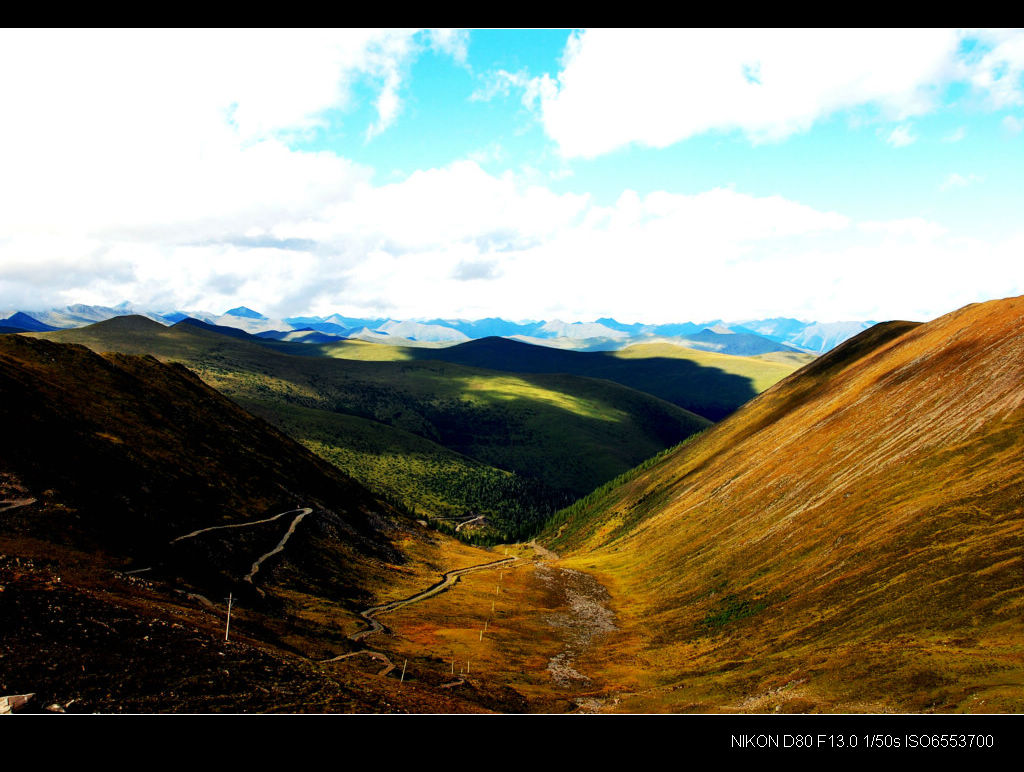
point(744, 338)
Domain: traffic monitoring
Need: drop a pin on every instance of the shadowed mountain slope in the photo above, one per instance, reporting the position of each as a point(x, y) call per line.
point(852, 539)
point(134, 498)
point(21, 322)
point(559, 435)
point(131, 453)
point(707, 383)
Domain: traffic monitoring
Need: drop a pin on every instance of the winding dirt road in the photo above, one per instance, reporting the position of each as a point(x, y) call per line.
point(447, 580)
point(13, 503)
point(259, 561)
point(464, 523)
point(388, 665)
point(304, 511)
point(280, 545)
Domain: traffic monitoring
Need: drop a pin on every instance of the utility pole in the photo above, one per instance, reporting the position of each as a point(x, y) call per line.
point(227, 627)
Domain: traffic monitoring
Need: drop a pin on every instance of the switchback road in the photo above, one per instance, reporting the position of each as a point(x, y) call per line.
point(304, 511)
point(280, 544)
point(447, 580)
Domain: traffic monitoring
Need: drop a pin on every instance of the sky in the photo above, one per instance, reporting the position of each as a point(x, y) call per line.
point(650, 176)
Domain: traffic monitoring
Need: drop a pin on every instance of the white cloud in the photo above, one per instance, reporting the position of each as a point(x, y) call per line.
point(492, 152)
point(499, 83)
point(901, 136)
point(453, 42)
point(956, 135)
point(154, 167)
point(659, 87)
point(387, 62)
point(1013, 124)
point(113, 107)
point(915, 228)
point(959, 181)
point(457, 241)
point(154, 139)
point(996, 68)
point(540, 254)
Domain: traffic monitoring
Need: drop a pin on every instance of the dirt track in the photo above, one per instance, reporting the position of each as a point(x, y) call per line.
point(280, 545)
point(14, 503)
point(447, 580)
point(304, 511)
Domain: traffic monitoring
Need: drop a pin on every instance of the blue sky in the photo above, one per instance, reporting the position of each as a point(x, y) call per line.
point(652, 176)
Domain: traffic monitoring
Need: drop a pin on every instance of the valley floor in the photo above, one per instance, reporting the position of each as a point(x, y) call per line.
point(513, 638)
point(518, 637)
point(537, 635)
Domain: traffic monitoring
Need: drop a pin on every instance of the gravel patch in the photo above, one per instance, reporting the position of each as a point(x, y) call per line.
point(586, 620)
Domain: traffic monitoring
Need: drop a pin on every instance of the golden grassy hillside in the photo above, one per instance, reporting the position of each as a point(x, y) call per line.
point(851, 540)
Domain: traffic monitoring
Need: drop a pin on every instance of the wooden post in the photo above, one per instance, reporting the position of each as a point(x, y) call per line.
point(406, 662)
point(486, 622)
point(453, 665)
point(481, 636)
point(227, 627)
point(467, 667)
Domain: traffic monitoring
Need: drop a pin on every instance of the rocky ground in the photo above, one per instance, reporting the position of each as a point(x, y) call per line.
point(586, 619)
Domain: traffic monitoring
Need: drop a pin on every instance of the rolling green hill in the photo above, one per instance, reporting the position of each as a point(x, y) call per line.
point(544, 437)
point(710, 384)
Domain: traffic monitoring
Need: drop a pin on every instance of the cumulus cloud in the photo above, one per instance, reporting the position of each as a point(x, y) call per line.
point(994, 65)
point(916, 228)
point(176, 134)
point(659, 87)
point(157, 167)
point(413, 248)
point(467, 270)
point(148, 143)
point(453, 42)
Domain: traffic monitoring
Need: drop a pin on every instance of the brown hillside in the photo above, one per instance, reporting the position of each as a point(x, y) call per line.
point(106, 460)
point(852, 539)
point(122, 454)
